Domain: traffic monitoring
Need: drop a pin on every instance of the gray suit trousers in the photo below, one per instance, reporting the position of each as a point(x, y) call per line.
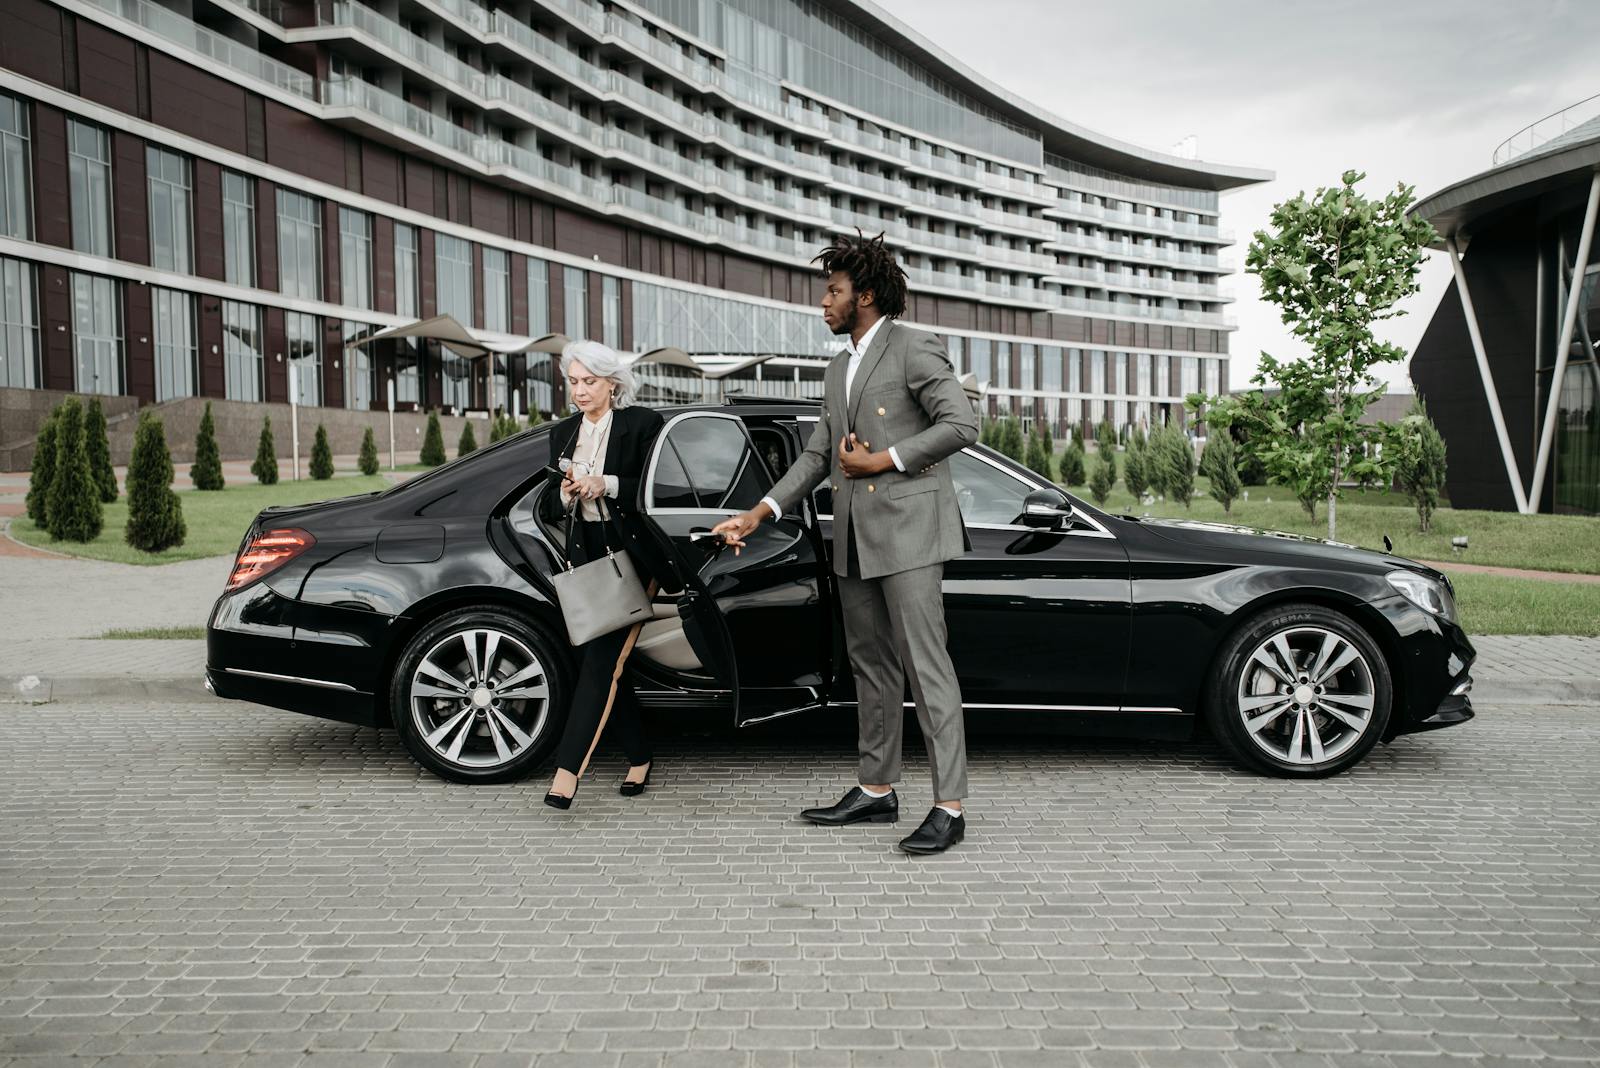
point(894, 627)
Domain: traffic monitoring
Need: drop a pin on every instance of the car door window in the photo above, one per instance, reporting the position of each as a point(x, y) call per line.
point(986, 493)
point(705, 462)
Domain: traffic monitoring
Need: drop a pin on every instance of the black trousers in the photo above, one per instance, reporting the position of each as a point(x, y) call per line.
point(603, 694)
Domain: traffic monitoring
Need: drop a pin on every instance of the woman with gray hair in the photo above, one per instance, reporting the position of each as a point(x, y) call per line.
point(603, 448)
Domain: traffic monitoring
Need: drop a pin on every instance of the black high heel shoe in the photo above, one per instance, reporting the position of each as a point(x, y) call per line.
point(555, 800)
point(634, 789)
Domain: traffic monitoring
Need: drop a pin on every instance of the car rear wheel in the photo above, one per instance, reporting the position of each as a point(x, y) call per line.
point(479, 696)
point(1300, 691)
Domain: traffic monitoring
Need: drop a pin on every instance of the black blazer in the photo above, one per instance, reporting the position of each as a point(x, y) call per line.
point(633, 432)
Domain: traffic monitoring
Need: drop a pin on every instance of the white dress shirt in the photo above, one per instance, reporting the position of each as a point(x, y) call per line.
point(850, 368)
point(589, 458)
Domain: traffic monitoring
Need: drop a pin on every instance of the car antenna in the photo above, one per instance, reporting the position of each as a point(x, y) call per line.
point(1388, 546)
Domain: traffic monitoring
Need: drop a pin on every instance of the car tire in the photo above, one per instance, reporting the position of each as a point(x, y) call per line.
point(1299, 691)
point(480, 695)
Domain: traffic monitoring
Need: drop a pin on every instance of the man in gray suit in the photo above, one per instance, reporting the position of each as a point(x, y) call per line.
point(892, 412)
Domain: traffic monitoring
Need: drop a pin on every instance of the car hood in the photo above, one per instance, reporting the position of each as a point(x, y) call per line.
point(1280, 543)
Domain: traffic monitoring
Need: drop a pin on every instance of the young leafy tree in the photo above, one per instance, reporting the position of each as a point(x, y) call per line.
point(1105, 436)
point(98, 443)
point(1419, 455)
point(44, 470)
point(206, 471)
point(433, 442)
point(72, 511)
point(1104, 479)
point(1335, 263)
point(155, 515)
point(368, 460)
point(265, 467)
point(1135, 475)
point(1219, 464)
point(468, 442)
point(1072, 473)
point(321, 456)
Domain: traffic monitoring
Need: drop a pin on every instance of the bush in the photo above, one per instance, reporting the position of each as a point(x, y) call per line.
point(368, 460)
point(155, 515)
point(433, 442)
point(1105, 436)
point(502, 427)
point(1104, 479)
point(1036, 457)
point(1072, 473)
point(1170, 464)
point(321, 456)
point(72, 509)
point(44, 470)
point(99, 445)
point(1420, 468)
point(265, 467)
point(468, 441)
point(1219, 463)
point(1135, 467)
point(207, 468)
point(534, 418)
point(1011, 441)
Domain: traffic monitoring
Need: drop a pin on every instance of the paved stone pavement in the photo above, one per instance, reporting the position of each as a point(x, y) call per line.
point(222, 886)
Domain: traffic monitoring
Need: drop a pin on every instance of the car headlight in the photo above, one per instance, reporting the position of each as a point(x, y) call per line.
point(1427, 594)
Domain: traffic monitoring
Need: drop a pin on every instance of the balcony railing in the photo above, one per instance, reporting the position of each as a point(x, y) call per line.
point(1077, 209)
point(211, 46)
point(1117, 280)
point(1552, 127)
point(1146, 311)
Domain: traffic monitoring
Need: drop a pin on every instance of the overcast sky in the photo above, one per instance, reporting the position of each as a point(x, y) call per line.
point(1419, 91)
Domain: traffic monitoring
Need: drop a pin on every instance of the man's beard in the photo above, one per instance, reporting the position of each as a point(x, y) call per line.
point(847, 325)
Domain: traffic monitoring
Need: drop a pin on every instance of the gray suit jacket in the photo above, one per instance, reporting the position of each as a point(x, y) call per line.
point(905, 395)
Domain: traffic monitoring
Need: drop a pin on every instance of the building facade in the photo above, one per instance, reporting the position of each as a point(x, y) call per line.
point(1507, 364)
point(199, 195)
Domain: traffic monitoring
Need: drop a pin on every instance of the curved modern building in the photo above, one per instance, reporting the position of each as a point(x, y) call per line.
point(199, 194)
point(1508, 362)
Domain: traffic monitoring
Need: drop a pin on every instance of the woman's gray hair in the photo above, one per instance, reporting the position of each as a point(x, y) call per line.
point(606, 362)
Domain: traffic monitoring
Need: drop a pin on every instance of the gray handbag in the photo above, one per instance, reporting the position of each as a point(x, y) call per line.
point(603, 595)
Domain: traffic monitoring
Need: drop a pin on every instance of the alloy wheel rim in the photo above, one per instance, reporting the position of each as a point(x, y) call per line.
point(1306, 696)
point(479, 698)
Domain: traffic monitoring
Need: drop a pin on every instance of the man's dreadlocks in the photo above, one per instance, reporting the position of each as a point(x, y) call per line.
point(871, 267)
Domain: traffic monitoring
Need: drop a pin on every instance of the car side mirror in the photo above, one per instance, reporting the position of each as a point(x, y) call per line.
point(1047, 509)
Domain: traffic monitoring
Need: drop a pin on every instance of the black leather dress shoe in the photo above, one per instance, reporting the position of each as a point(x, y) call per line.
point(938, 832)
point(855, 806)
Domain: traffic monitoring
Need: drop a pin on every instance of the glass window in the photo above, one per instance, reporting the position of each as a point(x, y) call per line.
point(1025, 361)
point(299, 247)
point(453, 264)
point(355, 258)
point(359, 373)
point(167, 175)
point(985, 493)
point(16, 215)
point(242, 362)
point(707, 462)
point(497, 290)
point(1191, 375)
point(1119, 383)
point(1142, 364)
point(1074, 370)
point(89, 174)
point(172, 313)
point(979, 347)
point(457, 379)
point(238, 229)
point(1051, 362)
point(575, 302)
point(1097, 372)
point(956, 344)
point(1162, 364)
point(407, 276)
point(538, 298)
point(611, 311)
point(407, 372)
point(19, 326)
point(97, 333)
point(539, 383)
point(303, 336)
point(1002, 364)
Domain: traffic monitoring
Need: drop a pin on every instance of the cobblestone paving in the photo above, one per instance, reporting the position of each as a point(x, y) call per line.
point(233, 885)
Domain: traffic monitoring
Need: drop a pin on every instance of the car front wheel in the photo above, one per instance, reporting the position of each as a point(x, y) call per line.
point(479, 696)
point(1300, 691)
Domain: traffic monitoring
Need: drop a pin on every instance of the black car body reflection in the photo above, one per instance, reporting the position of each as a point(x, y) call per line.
point(381, 609)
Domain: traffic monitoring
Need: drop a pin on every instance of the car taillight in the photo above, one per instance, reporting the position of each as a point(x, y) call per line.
point(267, 551)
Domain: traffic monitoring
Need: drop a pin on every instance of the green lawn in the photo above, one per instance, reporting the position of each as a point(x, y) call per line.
point(1496, 604)
point(1505, 539)
point(216, 521)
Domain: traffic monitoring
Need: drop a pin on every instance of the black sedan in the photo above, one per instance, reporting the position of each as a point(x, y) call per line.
point(428, 607)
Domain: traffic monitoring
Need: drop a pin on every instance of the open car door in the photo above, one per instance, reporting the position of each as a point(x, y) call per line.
point(757, 621)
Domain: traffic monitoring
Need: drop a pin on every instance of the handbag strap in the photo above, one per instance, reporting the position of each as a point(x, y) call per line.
point(608, 519)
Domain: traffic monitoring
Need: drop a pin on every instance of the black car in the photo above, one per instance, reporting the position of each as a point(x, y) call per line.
point(428, 607)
